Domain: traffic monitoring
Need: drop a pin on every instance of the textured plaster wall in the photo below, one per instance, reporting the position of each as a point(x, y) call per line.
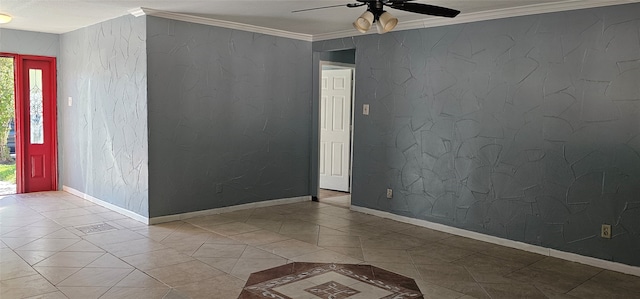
point(229, 117)
point(29, 43)
point(343, 56)
point(103, 135)
point(524, 128)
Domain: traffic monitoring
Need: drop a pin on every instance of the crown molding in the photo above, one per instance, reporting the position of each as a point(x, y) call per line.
point(403, 25)
point(142, 11)
point(137, 12)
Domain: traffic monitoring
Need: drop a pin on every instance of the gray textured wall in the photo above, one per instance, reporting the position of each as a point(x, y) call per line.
point(27, 42)
point(342, 56)
point(103, 135)
point(229, 117)
point(525, 128)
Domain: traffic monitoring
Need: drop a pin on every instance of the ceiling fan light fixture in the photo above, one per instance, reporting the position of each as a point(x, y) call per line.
point(355, 25)
point(379, 28)
point(386, 22)
point(5, 18)
point(364, 21)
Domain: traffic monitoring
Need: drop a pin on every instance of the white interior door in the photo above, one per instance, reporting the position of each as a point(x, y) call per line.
point(335, 131)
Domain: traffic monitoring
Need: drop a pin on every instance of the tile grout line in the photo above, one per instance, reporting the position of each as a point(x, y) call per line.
point(585, 281)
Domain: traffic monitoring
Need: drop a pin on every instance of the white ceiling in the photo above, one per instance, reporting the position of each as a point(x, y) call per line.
point(60, 16)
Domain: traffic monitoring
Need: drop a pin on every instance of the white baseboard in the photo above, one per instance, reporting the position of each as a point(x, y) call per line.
point(107, 205)
point(175, 217)
point(253, 205)
point(591, 261)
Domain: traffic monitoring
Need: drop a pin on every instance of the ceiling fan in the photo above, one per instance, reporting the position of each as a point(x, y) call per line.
point(384, 21)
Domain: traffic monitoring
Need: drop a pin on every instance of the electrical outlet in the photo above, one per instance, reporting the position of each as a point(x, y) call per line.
point(389, 193)
point(365, 109)
point(606, 231)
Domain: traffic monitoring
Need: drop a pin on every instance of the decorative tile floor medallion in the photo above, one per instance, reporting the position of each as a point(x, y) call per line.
point(329, 281)
point(332, 290)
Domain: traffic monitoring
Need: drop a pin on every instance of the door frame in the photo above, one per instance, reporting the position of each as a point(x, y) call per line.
point(17, 126)
point(19, 84)
point(338, 65)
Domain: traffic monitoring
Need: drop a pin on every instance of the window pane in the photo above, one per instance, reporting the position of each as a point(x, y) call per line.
point(35, 99)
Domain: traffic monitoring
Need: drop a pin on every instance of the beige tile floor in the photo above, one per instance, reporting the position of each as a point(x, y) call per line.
point(44, 255)
point(335, 198)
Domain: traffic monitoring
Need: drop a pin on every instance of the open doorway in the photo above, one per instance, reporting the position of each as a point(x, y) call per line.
point(337, 71)
point(7, 127)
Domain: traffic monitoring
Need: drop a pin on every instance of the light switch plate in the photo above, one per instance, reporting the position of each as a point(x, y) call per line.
point(365, 109)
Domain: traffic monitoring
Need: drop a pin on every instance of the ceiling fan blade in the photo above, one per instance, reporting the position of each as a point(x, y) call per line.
point(424, 9)
point(350, 5)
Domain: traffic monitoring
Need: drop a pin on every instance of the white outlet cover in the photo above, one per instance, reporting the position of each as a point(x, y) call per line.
point(70, 101)
point(365, 109)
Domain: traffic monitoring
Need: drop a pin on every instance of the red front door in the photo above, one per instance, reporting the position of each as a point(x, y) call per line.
point(36, 125)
